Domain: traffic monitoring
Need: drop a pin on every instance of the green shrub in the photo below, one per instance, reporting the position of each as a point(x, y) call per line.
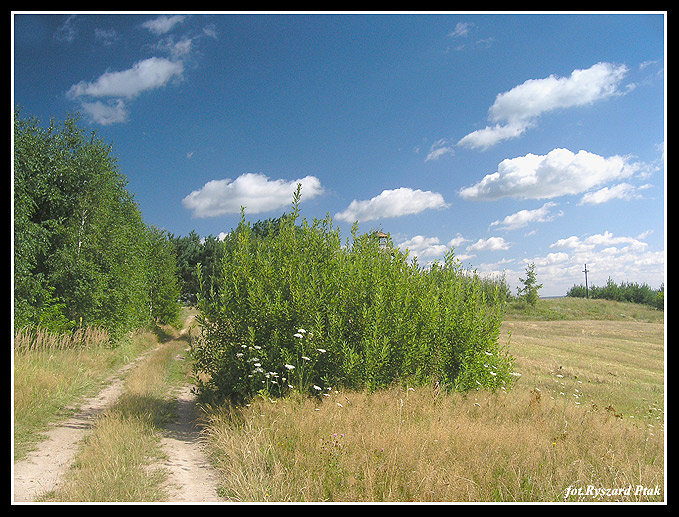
point(295, 309)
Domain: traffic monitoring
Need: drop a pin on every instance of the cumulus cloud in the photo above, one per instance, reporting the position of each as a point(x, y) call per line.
point(112, 112)
point(431, 248)
point(606, 239)
point(489, 244)
point(623, 191)
point(424, 247)
point(392, 203)
point(524, 217)
point(121, 86)
point(558, 173)
point(516, 110)
point(256, 192)
point(144, 75)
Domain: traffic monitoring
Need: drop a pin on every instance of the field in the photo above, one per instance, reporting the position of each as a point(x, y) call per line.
point(585, 422)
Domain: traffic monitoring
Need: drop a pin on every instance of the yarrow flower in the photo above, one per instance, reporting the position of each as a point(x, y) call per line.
point(289, 367)
point(321, 350)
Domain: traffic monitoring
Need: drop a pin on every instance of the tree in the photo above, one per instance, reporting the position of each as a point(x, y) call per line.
point(82, 253)
point(529, 291)
point(163, 277)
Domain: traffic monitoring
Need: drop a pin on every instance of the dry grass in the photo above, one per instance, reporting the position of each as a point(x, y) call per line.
point(30, 339)
point(119, 459)
point(401, 445)
point(50, 377)
point(588, 411)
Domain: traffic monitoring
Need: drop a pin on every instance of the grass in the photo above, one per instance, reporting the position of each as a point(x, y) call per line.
point(588, 411)
point(119, 459)
point(50, 376)
point(568, 308)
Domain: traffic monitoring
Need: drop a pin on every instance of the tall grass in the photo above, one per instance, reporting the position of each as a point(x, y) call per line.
point(402, 444)
point(30, 339)
point(298, 310)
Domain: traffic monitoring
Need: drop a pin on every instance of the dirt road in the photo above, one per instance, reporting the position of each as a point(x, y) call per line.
point(190, 476)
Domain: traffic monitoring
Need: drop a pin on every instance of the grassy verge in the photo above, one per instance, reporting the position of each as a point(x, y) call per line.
point(587, 412)
point(47, 381)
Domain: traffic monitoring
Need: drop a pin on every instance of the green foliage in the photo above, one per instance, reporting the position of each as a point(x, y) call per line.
point(295, 309)
point(163, 278)
point(624, 292)
point(529, 291)
point(82, 253)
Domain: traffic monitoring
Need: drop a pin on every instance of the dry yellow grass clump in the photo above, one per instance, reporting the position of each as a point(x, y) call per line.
point(407, 445)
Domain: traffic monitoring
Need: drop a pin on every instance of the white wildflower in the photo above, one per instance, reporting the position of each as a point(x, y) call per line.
point(306, 358)
point(321, 350)
point(289, 367)
point(299, 336)
point(318, 388)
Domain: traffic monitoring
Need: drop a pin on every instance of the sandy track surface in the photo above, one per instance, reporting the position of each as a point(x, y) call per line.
point(190, 476)
point(192, 479)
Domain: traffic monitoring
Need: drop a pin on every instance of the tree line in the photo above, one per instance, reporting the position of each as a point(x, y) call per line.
point(83, 256)
point(624, 292)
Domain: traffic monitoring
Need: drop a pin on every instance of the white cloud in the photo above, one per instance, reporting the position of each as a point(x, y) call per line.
point(438, 149)
point(622, 191)
point(163, 23)
point(558, 173)
point(424, 247)
point(489, 244)
point(67, 31)
point(392, 203)
point(516, 110)
point(524, 217)
point(148, 74)
point(256, 192)
point(605, 239)
point(113, 112)
point(461, 29)
point(489, 136)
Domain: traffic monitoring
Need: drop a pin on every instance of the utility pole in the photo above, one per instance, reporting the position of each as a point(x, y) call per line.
point(586, 287)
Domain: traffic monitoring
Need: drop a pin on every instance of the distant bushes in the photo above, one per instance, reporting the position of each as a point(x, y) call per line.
point(624, 292)
point(295, 309)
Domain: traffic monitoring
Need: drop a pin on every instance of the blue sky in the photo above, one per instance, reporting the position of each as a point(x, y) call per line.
point(514, 138)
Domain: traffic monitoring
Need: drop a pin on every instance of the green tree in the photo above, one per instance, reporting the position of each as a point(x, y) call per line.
point(529, 291)
point(163, 277)
point(81, 248)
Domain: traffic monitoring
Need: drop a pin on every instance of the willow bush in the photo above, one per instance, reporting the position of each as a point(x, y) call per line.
point(298, 310)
